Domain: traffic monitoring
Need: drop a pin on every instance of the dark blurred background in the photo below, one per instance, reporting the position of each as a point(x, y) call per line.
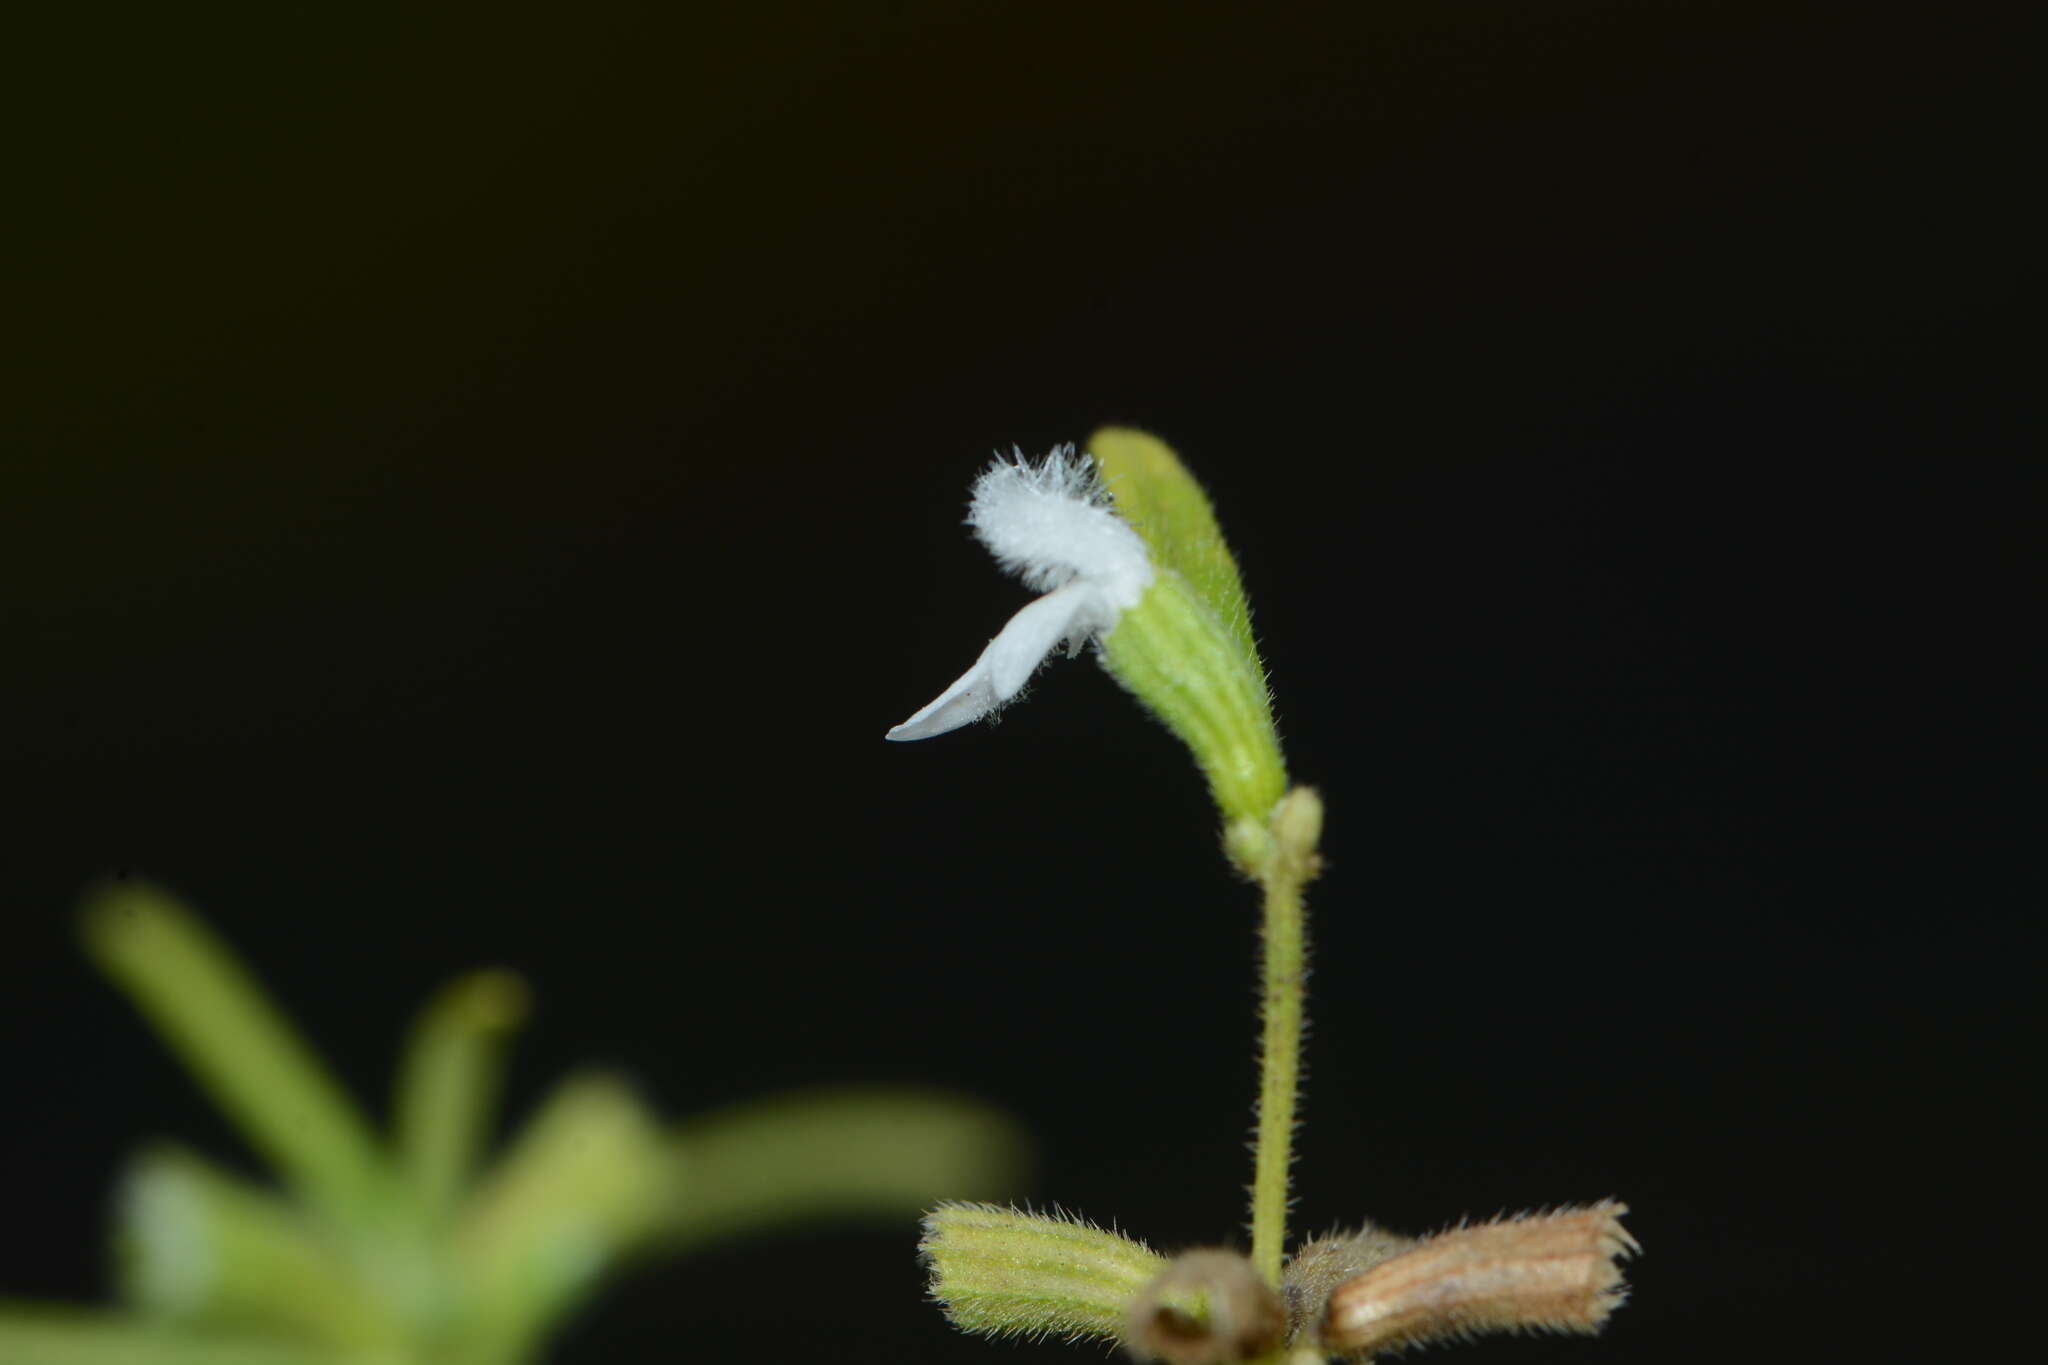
point(481, 483)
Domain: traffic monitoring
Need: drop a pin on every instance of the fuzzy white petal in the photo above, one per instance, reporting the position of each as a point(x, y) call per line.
point(1051, 522)
point(1069, 616)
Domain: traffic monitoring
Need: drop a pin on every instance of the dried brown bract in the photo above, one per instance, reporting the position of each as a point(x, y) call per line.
point(1551, 1272)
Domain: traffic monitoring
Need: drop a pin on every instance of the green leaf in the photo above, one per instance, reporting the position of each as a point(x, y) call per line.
point(448, 1084)
point(834, 1153)
point(241, 1048)
point(577, 1194)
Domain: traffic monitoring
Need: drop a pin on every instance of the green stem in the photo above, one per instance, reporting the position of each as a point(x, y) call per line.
point(1279, 1074)
point(1296, 826)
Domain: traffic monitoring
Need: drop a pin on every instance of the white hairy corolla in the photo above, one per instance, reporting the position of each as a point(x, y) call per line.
point(1051, 524)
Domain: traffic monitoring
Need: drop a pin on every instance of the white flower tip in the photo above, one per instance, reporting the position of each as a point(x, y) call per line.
point(965, 702)
point(1069, 616)
point(1051, 522)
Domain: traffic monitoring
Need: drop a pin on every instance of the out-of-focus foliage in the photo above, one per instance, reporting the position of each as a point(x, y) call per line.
point(407, 1249)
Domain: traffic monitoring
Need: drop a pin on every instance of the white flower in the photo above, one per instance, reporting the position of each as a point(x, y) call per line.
point(1051, 524)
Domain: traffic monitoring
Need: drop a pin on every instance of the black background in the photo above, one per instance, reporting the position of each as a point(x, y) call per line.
point(487, 480)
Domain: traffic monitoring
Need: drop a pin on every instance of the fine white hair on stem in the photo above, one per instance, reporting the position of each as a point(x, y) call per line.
point(1051, 524)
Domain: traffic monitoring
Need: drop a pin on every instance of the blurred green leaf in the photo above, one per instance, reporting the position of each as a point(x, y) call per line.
point(413, 1255)
point(834, 1153)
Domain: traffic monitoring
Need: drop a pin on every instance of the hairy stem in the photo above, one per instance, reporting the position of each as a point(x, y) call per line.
point(1279, 1071)
point(1296, 828)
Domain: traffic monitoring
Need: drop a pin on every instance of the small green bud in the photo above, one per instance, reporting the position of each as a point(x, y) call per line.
point(1297, 829)
point(1000, 1272)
